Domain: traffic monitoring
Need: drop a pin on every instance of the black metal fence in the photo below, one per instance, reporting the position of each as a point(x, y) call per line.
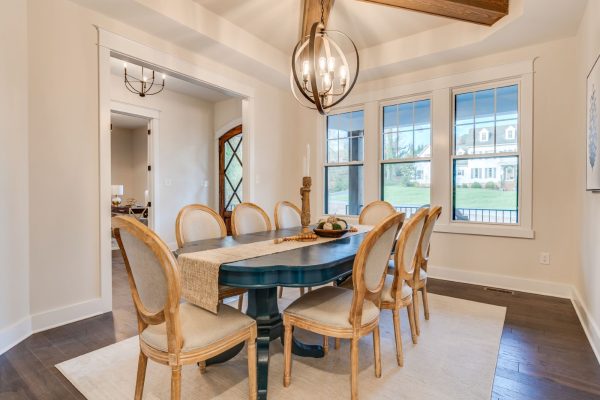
point(490, 215)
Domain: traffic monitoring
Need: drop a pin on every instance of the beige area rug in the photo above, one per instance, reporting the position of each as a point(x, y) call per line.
point(454, 359)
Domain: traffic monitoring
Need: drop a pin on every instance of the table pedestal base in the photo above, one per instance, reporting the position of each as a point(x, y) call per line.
point(262, 306)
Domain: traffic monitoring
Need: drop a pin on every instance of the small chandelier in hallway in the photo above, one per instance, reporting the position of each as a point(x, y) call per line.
point(146, 86)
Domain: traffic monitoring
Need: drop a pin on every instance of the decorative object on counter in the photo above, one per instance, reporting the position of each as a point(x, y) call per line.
point(117, 192)
point(333, 227)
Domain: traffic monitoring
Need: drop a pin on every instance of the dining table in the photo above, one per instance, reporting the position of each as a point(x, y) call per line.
point(307, 266)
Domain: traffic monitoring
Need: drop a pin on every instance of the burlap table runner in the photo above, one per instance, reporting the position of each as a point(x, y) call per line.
point(200, 270)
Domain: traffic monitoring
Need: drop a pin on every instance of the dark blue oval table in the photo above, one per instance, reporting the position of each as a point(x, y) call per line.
point(303, 267)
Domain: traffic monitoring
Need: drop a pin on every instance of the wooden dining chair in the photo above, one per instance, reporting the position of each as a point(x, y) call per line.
point(199, 222)
point(287, 215)
point(170, 332)
point(396, 293)
point(249, 218)
point(419, 281)
point(342, 313)
point(375, 212)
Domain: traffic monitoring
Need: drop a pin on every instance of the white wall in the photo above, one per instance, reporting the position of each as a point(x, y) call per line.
point(226, 112)
point(14, 198)
point(588, 277)
point(186, 152)
point(65, 278)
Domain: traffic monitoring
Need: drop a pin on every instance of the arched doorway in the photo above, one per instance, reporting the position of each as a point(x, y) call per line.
point(230, 173)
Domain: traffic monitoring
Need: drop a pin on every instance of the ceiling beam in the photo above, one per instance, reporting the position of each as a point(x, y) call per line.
point(312, 13)
point(483, 12)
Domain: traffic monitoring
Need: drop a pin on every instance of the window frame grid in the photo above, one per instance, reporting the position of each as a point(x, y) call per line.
point(518, 154)
point(325, 153)
point(380, 135)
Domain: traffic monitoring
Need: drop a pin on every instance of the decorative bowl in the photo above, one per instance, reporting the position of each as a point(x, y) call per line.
point(330, 233)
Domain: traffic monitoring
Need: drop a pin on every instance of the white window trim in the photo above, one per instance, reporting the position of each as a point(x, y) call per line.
point(322, 149)
point(440, 90)
point(391, 102)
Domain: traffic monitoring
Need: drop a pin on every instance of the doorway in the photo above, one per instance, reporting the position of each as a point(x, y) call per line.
point(131, 167)
point(231, 169)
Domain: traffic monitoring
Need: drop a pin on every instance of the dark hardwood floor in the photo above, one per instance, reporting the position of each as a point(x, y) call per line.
point(544, 353)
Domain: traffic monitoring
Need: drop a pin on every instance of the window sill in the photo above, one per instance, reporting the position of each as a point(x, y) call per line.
point(486, 230)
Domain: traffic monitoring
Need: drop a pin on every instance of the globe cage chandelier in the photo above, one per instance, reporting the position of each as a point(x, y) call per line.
point(147, 87)
point(319, 52)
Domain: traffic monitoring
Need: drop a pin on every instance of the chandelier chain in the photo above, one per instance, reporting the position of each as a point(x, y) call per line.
point(323, 12)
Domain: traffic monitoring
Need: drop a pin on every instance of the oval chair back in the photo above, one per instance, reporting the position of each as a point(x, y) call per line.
point(424, 243)
point(375, 212)
point(406, 250)
point(249, 218)
point(153, 277)
point(198, 222)
point(370, 265)
point(287, 215)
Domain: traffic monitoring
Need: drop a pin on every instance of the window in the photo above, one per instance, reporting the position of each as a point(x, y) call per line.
point(344, 166)
point(491, 193)
point(406, 155)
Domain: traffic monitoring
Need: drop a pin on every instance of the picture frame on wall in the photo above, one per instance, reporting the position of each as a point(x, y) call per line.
point(593, 128)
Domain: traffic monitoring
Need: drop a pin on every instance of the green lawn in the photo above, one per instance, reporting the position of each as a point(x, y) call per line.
point(465, 197)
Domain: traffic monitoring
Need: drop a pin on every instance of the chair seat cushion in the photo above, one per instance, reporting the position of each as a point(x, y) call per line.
point(330, 306)
point(199, 327)
point(386, 293)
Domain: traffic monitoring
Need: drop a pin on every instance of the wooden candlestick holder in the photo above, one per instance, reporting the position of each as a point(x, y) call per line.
point(306, 234)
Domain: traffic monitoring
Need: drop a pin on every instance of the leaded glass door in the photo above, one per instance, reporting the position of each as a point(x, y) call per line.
point(230, 173)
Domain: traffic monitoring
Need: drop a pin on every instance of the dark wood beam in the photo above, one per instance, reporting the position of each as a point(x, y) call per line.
point(483, 12)
point(312, 13)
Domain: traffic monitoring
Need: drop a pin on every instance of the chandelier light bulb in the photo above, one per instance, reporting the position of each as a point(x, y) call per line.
point(125, 65)
point(326, 81)
point(331, 64)
point(305, 69)
point(322, 64)
point(145, 79)
point(343, 75)
point(164, 77)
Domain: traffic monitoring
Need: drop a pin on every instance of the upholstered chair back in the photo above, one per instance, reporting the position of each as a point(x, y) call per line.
point(375, 212)
point(249, 218)
point(370, 264)
point(198, 222)
point(287, 215)
point(434, 214)
point(406, 250)
point(153, 275)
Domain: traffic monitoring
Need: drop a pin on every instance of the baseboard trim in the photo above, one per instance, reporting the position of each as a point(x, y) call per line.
point(14, 334)
point(545, 288)
point(590, 326)
point(66, 315)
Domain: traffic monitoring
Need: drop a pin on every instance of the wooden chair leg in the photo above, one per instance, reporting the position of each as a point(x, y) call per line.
point(416, 310)
point(411, 321)
point(325, 344)
point(377, 352)
point(141, 376)
point(202, 366)
point(398, 336)
point(252, 389)
point(425, 302)
point(338, 343)
point(240, 302)
point(287, 355)
point(176, 382)
point(301, 291)
point(280, 291)
point(354, 369)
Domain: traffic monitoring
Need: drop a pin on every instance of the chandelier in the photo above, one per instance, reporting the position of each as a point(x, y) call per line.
point(146, 86)
point(316, 79)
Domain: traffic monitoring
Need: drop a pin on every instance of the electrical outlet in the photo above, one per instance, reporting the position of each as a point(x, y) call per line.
point(545, 258)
